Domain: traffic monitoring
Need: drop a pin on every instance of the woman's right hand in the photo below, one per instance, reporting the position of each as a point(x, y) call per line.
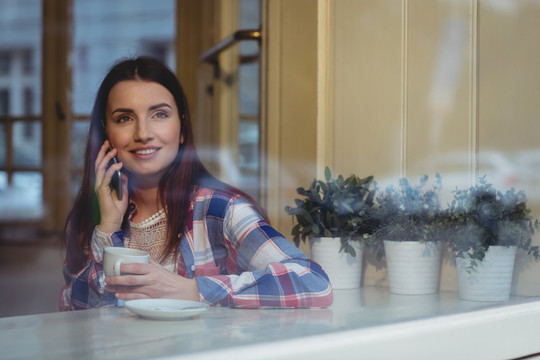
point(111, 209)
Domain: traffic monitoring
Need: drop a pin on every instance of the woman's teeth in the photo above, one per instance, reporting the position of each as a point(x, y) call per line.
point(145, 151)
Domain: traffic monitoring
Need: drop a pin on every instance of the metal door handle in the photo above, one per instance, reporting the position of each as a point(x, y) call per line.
point(211, 55)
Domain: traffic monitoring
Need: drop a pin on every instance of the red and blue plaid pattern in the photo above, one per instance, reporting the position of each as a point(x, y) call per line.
point(237, 258)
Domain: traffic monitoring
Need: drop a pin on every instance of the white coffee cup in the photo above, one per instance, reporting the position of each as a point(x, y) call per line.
point(113, 257)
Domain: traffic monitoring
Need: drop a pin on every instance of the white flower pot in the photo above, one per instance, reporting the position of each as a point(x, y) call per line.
point(492, 279)
point(343, 269)
point(414, 267)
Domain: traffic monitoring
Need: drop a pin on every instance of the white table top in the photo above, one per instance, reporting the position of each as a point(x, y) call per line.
point(368, 322)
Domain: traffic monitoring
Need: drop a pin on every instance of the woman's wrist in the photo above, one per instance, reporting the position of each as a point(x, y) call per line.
point(109, 228)
point(192, 292)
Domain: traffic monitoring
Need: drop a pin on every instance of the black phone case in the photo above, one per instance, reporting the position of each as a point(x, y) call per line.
point(116, 181)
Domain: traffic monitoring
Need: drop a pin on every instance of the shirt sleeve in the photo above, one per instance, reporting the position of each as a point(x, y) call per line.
point(86, 288)
point(265, 269)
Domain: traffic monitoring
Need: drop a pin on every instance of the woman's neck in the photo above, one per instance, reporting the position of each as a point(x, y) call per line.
point(147, 202)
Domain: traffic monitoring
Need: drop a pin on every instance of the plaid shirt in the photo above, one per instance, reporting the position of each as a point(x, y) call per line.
point(237, 258)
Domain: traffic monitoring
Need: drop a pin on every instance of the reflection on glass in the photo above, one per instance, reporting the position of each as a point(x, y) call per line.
point(27, 144)
point(76, 181)
point(4, 102)
point(248, 160)
point(248, 154)
point(248, 75)
point(20, 57)
point(20, 96)
point(248, 126)
point(5, 62)
point(527, 163)
point(3, 181)
point(22, 200)
point(79, 133)
point(105, 31)
point(250, 12)
point(2, 145)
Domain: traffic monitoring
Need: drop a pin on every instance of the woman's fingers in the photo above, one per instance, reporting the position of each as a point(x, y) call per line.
point(110, 172)
point(100, 165)
point(121, 288)
point(103, 188)
point(101, 154)
point(136, 268)
point(132, 277)
point(132, 285)
point(111, 209)
point(151, 281)
point(104, 172)
point(131, 296)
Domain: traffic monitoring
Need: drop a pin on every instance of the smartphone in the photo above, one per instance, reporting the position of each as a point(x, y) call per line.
point(116, 181)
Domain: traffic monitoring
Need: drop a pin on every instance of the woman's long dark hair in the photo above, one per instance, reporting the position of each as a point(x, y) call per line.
point(176, 186)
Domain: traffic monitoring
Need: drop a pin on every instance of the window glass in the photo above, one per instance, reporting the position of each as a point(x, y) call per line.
point(28, 101)
point(27, 61)
point(25, 196)
point(105, 31)
point(3, 181)
point(2, 145)
point(20, 55)
point(26, 137)
point(249, 100)
point(20, 97)
point(4, 102)
point(79, 132)
point(250, 14)
point(76, 181)
point(22, 199)
point(5, 62)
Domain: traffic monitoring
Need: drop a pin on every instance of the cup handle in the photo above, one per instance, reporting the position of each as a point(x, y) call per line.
point(116, 267)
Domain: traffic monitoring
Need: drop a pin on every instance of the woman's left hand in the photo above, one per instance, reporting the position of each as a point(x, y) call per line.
point(151, 281)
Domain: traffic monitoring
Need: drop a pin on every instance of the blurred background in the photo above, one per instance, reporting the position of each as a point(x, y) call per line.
point(388, 88)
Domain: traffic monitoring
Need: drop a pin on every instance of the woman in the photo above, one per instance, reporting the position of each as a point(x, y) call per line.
point(208, 241)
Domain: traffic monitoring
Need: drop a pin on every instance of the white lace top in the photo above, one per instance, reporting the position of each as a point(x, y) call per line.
point(151, 236)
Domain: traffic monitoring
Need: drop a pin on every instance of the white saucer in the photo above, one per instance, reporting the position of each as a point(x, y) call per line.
point(165, 309)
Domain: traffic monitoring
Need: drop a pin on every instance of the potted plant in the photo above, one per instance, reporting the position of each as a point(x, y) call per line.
point(489, 227)
point(333, 215)
point(411, 227)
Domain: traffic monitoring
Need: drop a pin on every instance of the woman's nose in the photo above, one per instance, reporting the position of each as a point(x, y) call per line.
point(143, 132)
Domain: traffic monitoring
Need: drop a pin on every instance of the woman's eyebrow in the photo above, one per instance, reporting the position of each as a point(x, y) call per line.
point(157, 106)
point(151, 108)
point(122, 110)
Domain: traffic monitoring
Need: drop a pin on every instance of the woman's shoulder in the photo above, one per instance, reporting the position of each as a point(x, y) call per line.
point(215, 202)
point(206, 194)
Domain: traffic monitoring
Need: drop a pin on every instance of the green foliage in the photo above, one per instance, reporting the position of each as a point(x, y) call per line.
point(334, 208)
point(410, 213)
point(484, 217)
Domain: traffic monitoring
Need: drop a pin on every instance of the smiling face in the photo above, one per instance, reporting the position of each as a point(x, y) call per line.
point(143, 123)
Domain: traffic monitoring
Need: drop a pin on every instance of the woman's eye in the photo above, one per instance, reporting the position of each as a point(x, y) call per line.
point(161, 115)
point(122, 119)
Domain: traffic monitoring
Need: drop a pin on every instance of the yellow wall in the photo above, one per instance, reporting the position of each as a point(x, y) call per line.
point(450, 80)
point(289, 108)
point(406, 88)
